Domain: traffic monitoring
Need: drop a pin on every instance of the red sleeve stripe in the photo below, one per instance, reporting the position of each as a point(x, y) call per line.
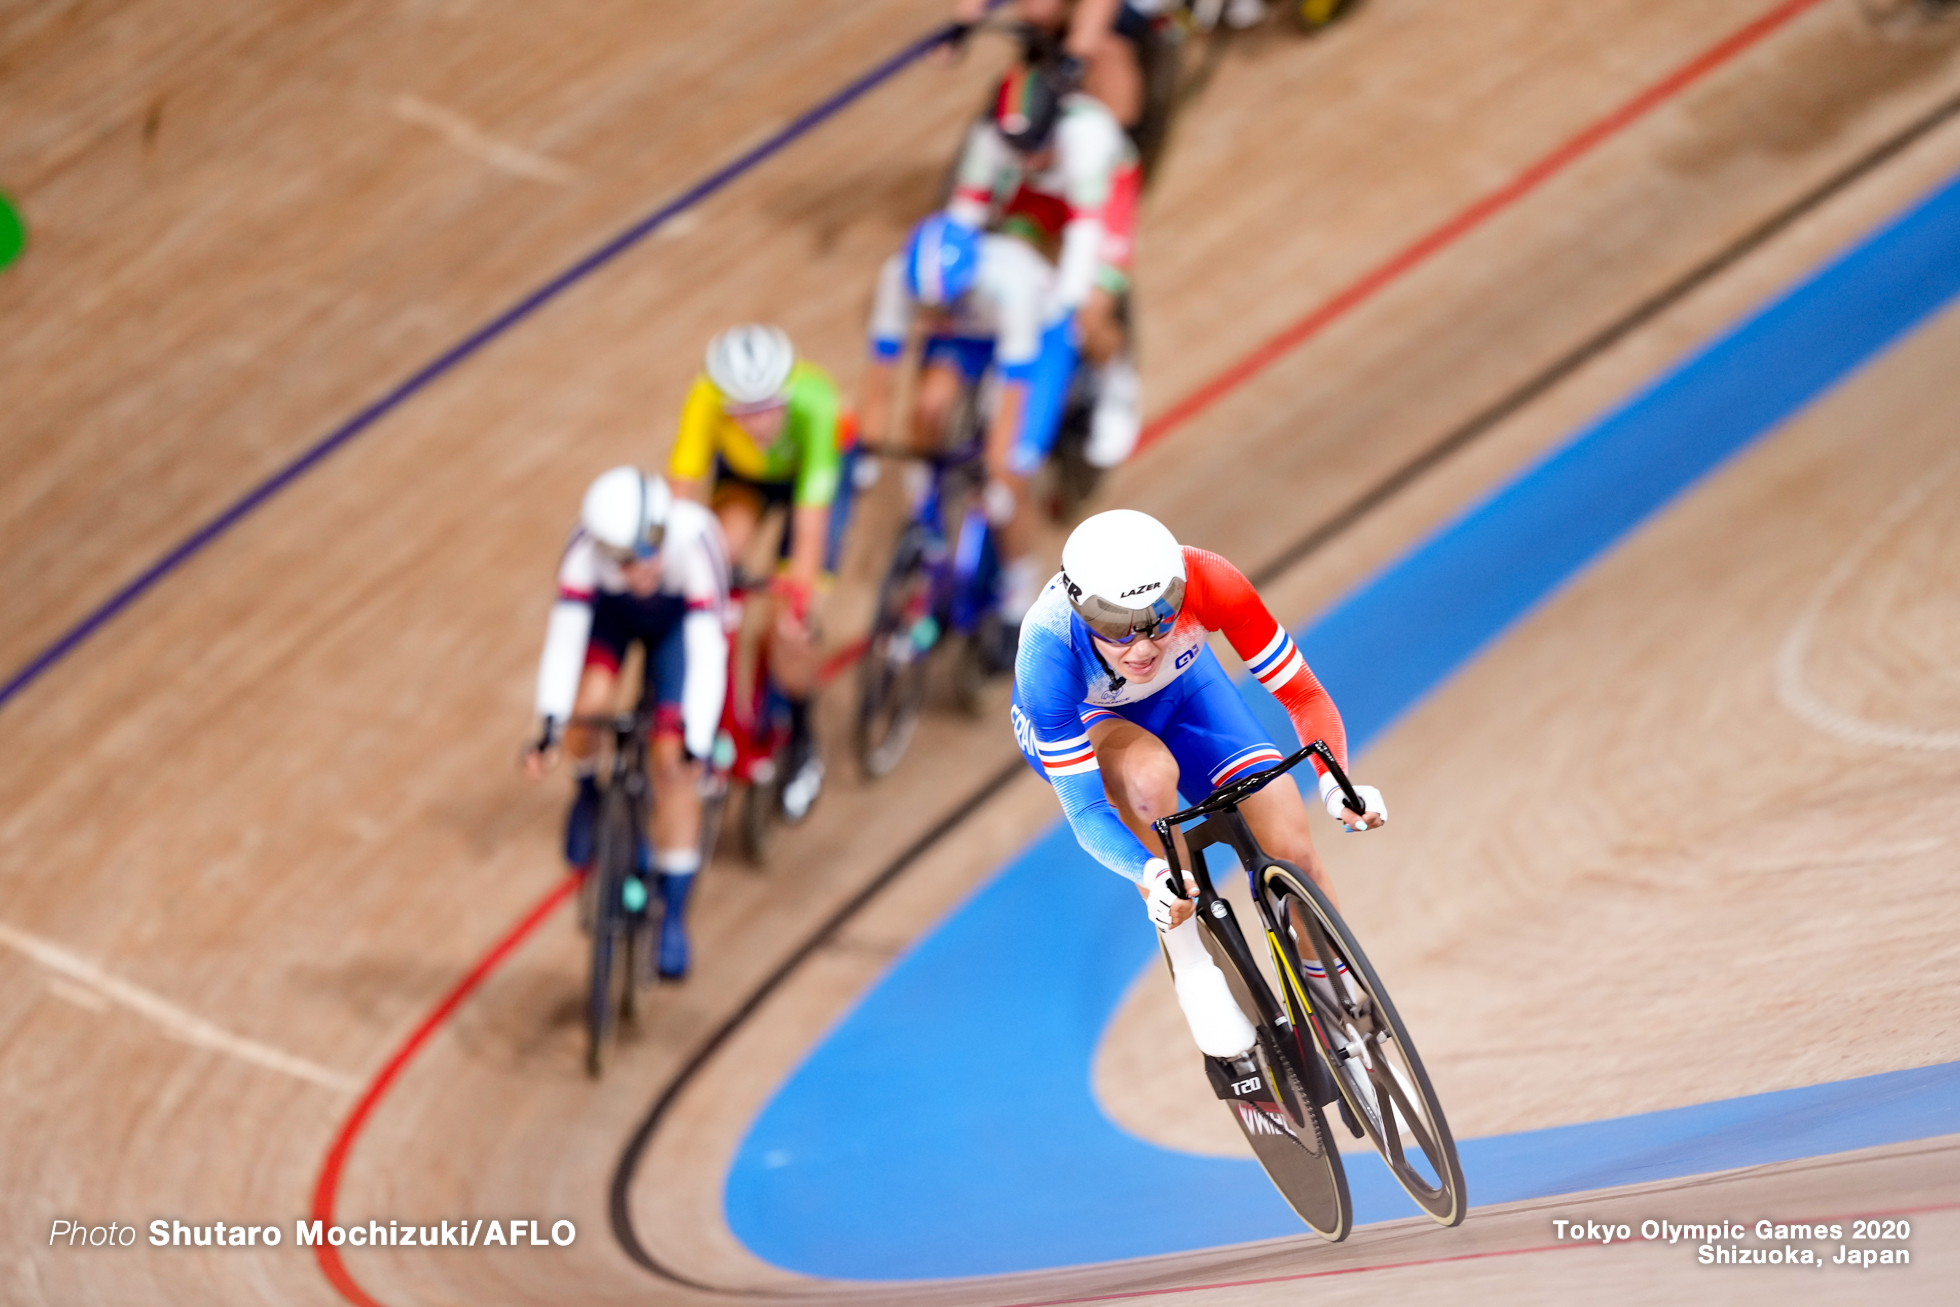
point(1090, 716)
point(570, 595)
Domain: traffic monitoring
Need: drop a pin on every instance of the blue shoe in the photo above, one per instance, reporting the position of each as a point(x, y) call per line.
point(673, 925)
point(581, 822)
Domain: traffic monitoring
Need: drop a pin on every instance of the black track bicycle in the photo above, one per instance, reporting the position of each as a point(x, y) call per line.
point(1338, 1041)
point(613, 898)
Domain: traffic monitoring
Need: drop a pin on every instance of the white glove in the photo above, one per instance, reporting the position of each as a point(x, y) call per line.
point(1336, 803)
point(1157, 876)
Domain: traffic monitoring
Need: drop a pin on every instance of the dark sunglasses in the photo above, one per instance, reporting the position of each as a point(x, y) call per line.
point(1119, 625)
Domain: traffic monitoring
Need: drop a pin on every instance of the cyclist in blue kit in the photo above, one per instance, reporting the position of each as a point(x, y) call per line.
point(1119, 704)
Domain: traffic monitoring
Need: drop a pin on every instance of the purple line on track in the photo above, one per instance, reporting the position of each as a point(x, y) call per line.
point(454, 356)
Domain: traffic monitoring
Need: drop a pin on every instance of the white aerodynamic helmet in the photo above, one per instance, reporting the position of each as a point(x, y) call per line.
point(1124, 573)
point(626, 512)
point(750, 364)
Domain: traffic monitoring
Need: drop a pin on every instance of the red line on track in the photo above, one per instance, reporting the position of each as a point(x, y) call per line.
point(326, 1190)
point(1413, 255)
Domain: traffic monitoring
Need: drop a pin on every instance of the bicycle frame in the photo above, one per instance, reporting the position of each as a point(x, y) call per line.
point(957, 568)
point(1225, 825)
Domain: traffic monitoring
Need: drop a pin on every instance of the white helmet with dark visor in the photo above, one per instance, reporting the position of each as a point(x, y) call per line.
point(626, 513)
point(1124, 574)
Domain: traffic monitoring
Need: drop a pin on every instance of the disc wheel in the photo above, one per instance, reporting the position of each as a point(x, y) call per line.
point(1366, 1047)
point(608, 978)
point(1287, 1133)
point(892, 674)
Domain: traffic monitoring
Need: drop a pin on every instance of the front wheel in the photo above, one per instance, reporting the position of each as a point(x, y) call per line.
point(892, 673)
point(1276, 1110)
point(609, 980)
point(1364, 1043)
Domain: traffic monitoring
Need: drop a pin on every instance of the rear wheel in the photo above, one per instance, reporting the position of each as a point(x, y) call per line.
point(1277, 1115)
point(1365, 1045)
point(756, 820)
point(972, 667)
point(892, 674)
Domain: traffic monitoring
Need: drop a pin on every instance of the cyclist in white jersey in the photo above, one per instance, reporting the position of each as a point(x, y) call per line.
point(1056, 169)
point(641, 566)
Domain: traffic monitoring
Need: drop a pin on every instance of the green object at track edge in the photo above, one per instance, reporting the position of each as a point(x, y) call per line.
point(13, 231)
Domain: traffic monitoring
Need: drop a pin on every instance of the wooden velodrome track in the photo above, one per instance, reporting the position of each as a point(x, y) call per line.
point(275, 795)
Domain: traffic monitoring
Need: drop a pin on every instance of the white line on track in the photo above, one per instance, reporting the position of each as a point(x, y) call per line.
point(1790, 687)
point(473, 140)
point(176, 1022)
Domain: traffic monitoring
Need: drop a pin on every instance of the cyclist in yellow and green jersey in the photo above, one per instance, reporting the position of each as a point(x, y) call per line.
point(760, 429)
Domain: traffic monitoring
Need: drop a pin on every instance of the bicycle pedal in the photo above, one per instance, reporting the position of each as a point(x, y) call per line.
point(1240, 1078)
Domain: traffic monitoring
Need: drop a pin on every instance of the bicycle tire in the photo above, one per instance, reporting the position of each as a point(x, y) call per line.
point(612, 861)
point(756, 821)
point(972, 669)
point(714, 800)
point(1366, 1029)
point(1288, 1133)
point(892, 673)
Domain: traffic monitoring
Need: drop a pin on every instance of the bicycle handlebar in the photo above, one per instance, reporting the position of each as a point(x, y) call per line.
point(1228, 797)
point(906, 454)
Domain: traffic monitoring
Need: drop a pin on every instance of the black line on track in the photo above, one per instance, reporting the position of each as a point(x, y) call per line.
point(1344, 519)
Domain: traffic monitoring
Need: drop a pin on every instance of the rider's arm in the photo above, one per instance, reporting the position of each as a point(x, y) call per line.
point(1090, 145)
point(814, 413)
point(1016, 281)
point(1050, 689)
point(703, 562)
point(983, 160)
point(566, 633)
point(691, 468)
point(891, 322)
point(1225, 601)
point(1089, 26)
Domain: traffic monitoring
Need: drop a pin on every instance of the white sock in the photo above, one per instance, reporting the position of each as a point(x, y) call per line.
point(1118, 418)
point(677, 862)
point(1244, 13)
point(1217, 1025)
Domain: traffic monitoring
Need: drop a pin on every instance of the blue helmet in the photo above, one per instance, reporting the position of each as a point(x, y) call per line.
point(941, 260)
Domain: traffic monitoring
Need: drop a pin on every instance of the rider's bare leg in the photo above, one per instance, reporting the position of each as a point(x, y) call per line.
point(933, 397)
point(676, 797)
point(1008, 508)
point(596, 685)
point(1103, 337)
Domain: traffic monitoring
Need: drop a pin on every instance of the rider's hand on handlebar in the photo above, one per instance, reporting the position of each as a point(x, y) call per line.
point(1336, 803)
point(538, 759)
point(1166, 908)
point(793, 599)
point(541, 754)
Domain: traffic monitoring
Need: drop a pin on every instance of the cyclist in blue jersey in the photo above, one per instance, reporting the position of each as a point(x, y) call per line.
point(1119, 703)
point(988, 305)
